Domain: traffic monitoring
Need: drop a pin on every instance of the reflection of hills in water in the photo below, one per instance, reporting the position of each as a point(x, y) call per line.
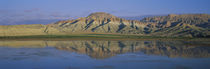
point(105, 49)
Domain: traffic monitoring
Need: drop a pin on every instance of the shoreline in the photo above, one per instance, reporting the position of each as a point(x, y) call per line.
point(98, 37)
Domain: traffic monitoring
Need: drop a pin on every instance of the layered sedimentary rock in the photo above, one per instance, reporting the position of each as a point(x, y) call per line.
point(187, 25)
point(99, 23)
point(190, 25)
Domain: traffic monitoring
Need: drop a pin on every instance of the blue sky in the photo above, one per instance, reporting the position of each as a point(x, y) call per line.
point(117, 7)
point(61, 9)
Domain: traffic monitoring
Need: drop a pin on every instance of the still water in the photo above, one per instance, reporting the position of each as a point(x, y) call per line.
point(104, 54)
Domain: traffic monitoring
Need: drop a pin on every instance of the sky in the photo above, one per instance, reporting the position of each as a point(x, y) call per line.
point(67, 9)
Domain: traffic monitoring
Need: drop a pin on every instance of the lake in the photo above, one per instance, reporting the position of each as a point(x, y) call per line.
point(104, 54)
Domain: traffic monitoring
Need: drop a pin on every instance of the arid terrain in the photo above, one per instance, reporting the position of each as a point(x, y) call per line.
point(185, 25)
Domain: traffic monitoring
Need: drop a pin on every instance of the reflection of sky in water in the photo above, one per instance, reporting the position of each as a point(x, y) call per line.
point(60, 55)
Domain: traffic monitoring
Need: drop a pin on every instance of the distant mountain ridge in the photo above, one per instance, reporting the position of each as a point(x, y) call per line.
point(187, 25)
point(140, 17)
point(29, 21)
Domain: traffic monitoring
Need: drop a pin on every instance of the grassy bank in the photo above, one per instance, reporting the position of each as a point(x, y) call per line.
point(105, 36)
point(97, 36)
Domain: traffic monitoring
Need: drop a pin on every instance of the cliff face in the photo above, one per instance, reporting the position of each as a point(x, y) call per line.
point(99, 23)
point(187, 25)
point(190, 25)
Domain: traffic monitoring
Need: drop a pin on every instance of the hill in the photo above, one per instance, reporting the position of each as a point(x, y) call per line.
point(186, 25)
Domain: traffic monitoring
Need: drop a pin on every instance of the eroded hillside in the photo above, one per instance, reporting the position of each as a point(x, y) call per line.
point(187, 25)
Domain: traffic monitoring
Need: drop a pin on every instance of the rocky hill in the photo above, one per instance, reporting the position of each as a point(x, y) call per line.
point(187, 25)
point(99, 23)
point(191, 25)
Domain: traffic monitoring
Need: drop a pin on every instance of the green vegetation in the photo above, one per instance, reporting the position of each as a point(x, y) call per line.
point(93, 36)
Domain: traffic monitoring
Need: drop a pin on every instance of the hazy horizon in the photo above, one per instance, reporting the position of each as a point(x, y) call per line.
point(17, 11)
